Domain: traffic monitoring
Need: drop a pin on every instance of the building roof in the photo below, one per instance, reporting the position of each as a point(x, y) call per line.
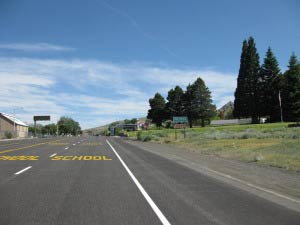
point(14, 119)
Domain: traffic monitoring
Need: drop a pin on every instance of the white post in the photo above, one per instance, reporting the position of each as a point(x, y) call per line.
point(279, 97)
point(14, 115)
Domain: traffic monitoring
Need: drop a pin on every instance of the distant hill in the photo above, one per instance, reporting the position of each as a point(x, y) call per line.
point(96, 129)
point(228, 105)
point(105, 127)
point(225, 112)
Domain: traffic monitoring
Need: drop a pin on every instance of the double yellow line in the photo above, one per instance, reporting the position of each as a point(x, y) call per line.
point(30, 146)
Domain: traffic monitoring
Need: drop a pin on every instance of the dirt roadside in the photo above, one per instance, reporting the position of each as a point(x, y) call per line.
point(278, 185)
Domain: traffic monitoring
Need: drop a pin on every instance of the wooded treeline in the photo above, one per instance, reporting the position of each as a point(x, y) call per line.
point(262, 91)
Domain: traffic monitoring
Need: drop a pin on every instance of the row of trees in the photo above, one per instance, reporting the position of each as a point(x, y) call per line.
point(263, 91)
point(195, 103)
point(65, 125)
point(43, 129)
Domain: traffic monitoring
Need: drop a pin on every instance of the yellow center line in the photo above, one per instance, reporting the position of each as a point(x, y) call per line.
point(16, 149)
point(9, 144)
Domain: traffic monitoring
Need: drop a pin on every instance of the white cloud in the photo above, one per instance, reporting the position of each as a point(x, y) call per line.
point(35, 47)
point(94, 92)
point(18, 79)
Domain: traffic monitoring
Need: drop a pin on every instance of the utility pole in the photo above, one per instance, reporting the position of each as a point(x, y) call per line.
point(14, 118)
point(34, 128)
point(279, 98)
point(57, 128)
point(14, 115)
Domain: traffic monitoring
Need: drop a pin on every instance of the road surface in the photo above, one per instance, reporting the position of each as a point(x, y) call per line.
point(99, 180)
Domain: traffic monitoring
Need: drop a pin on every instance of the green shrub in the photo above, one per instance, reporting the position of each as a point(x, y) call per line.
point(139, 135)
point(162, 134)
point(168, 124)
point(8, 135)
point(147, 138)
point(167, 141)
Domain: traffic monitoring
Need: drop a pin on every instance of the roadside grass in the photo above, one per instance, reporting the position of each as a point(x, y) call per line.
point(264, 144)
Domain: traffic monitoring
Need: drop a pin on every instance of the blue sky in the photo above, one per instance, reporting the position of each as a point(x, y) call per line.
point(98, 61)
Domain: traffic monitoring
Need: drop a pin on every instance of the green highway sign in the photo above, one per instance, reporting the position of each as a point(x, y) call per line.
point(180, 119)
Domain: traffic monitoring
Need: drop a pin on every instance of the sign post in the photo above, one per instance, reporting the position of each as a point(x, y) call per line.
point(39, 118)
point(180, 123)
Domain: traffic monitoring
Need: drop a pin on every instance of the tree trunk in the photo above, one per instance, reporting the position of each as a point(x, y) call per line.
point(190, 122)
point(202, 122)
point(255, 119)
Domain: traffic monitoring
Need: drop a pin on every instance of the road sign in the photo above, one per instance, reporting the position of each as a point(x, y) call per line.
point(40, 118)
point(180, 126)
point(180, 119)
point(112, 131)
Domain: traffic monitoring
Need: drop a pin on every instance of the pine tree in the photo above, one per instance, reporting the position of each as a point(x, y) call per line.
point(198, 102)
point(269, 79)
point(187, 105)
point(175, 102)
point(239, 102)
point(247, 99)
point(291, 91)
point(157, 112)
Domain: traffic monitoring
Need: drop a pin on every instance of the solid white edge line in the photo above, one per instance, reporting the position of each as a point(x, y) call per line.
point(157, 211)
point(23, 170)
point(53, 155)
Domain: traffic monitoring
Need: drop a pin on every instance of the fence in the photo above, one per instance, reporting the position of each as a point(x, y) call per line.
point(230, 122)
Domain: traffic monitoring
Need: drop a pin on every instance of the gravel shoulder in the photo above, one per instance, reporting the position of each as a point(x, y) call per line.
point(277, 185)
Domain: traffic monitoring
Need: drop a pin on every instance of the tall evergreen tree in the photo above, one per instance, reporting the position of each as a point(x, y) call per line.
point(175, 102)
point(239, 102)
point(198, 102)
point(291, 91)
point(157, 112)
point(246, 102)
point(269, 79)
point(187, 105)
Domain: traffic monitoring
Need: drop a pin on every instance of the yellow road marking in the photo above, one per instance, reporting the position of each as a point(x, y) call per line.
point(59, 144)
point(81, 157)
point(19, 157)
point(16, 149)
point(16, 142)
point(91, 144)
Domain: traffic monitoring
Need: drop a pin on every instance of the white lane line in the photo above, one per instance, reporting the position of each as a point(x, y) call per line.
point(157, 211)
point(66, 148)
point(53, 155)
point(23, 170)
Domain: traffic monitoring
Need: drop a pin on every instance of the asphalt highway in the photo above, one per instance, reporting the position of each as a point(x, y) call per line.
point(100, 180)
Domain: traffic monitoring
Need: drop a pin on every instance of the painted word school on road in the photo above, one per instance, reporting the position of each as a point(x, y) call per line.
point(81, 157)
point(57, 157)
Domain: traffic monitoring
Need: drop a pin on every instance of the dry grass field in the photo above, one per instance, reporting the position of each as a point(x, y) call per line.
point(264, 144)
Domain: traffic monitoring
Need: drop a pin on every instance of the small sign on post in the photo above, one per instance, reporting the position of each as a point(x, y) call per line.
point(112, 131)
point(180, 123)
point(39, 118)
point(180, 119)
